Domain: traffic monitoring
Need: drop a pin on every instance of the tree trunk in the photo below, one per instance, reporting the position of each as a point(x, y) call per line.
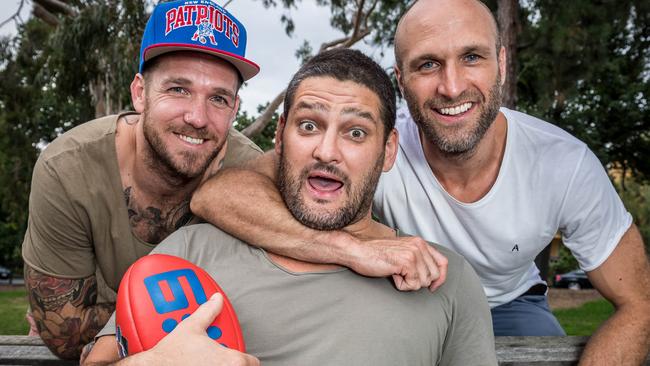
point(508, 15)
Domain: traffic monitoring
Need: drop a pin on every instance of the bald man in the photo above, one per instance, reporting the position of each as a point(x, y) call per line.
point(491, 183)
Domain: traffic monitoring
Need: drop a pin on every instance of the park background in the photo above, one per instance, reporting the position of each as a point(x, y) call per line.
point(583, 65)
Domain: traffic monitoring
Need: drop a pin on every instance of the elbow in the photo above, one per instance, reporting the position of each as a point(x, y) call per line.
point(66, 351)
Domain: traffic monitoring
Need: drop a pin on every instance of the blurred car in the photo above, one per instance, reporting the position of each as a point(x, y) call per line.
point(574, 280)
point(5, 273)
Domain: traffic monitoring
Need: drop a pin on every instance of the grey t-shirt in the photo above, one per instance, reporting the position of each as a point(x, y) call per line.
point(339, 317)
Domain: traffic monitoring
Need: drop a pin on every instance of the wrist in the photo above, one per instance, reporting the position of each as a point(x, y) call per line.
point(342, 248)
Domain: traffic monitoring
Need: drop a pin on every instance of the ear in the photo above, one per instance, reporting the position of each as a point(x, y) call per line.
point(390, 152)
point(502, 64)
point(398, 76)
point(138, 96)
point(278, 134)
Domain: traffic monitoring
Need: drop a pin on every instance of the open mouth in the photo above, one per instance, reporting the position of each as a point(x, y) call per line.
point(455, 110)
point(190, 140)
point(323, 182)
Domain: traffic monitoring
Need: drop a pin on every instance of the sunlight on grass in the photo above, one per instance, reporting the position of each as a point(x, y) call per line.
point(584, 320)
point(12, 312)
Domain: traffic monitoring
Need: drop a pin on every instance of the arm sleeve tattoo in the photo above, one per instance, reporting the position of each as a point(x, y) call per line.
point(66, 311)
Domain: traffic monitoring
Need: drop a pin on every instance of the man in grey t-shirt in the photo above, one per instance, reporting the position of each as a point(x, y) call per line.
point(334, 139)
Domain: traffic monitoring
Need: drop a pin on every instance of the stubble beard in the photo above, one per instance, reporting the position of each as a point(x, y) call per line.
point(182, 169)
point(454, 142)
point(357, 205)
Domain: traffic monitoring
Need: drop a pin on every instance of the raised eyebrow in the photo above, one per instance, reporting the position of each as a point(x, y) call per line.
point(359, 113)
point(311, 106)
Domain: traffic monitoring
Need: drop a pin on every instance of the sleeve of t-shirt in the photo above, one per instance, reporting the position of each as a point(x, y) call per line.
point(57, 241)
point(240, 149)
point(174, 244)
point(470, 339)
point(593, 218)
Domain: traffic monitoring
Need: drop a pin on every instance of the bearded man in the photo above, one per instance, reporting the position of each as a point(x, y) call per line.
point(334, 139)
point(108, 191)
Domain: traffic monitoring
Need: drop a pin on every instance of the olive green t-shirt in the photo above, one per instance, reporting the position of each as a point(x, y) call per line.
point(78, 220)
point(337, 317)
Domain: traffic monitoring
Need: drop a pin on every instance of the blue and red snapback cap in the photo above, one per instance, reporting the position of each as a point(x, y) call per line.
point(196, 25)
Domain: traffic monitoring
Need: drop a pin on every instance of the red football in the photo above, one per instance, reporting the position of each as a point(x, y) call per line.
point(157, 292)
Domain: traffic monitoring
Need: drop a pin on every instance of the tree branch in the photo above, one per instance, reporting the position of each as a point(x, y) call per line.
point(261, 121)
point(357, 18)
point(56, 6)
point(16, 14)
point(346, 42)
point(40, 12)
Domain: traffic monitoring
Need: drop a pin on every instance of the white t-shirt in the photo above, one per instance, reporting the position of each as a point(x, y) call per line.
point(548, 181)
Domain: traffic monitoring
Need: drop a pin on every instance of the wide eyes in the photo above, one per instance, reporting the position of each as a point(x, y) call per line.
point(354, 133)
point(357, 133)
point(307, 126)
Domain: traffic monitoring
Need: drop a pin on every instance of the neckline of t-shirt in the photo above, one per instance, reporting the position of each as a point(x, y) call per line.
point(273, 264)
point(503, 169)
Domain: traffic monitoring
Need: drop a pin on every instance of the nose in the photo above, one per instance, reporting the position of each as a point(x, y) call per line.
point(327, 150)
point(453, 82)
point(197, 114)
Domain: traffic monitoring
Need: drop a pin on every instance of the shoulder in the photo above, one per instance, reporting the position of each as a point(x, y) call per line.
point(81, 137)
point(240, 149)
point(461, 277)
point(200, 243)
point(537, 132)
point(544, 148)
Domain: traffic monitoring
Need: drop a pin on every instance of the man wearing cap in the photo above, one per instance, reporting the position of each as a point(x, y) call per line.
point(108, 191)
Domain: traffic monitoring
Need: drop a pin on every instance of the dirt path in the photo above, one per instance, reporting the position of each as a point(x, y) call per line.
point(561, 298)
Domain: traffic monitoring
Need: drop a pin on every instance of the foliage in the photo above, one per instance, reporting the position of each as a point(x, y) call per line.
point(265, 139)
point(584, 320)
point(636, 198)
point(564, 263)
point(586, 68)
point(12, 312)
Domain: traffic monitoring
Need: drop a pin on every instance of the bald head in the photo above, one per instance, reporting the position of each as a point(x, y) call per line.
point(438, 14)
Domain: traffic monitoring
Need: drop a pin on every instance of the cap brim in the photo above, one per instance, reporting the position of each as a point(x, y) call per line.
point(246, 68)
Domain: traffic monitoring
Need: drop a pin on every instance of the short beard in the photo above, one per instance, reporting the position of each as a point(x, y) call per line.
point(464, 144)
point(357, 206)
point(162, 161)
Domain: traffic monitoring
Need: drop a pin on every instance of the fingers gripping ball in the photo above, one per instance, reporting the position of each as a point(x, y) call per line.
point(156, 293)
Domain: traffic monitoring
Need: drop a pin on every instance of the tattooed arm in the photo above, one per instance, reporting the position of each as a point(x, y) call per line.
point(66, 311)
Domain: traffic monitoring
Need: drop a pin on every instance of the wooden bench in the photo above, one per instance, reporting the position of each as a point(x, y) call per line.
point(511, 351)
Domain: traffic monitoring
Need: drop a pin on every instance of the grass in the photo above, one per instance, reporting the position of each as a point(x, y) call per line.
point(13, 306)
point(584, 320)
point(580, 321)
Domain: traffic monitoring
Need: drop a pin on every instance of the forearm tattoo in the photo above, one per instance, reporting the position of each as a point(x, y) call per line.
point(65, 311)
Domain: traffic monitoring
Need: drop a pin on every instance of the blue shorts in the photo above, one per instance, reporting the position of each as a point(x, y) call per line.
point(527, 315)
